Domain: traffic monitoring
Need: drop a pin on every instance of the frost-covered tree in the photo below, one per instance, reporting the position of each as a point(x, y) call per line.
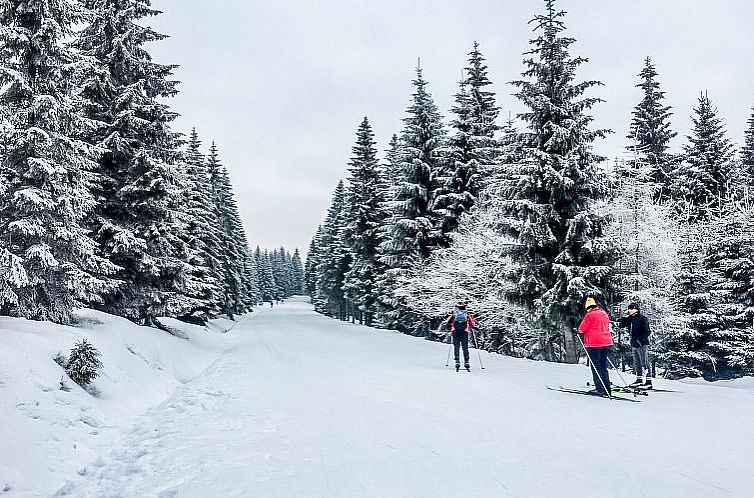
point(299, 284)
point(650, 131)
point(472, 149)
point(237, 282)
point(334, 259)
point(364, 216)
point(409, 228)
point(83, 363)
point(312, 261)
point(134, 223)
point(550, 196)
point(707, 173)
point(411, 231)
point(267, 286)
point(747, 152)
point(474, 270)
point(48, 173)
point(202, 236)
point(646, 233)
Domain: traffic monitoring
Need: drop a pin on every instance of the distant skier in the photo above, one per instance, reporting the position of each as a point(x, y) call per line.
point(638, 328)
point(460, 322)
point(598, 340)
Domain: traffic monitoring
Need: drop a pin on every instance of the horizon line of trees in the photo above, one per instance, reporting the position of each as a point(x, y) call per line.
point(102, 203)
point(524, 224)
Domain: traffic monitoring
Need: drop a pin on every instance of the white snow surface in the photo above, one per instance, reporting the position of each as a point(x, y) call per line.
point(289, 403)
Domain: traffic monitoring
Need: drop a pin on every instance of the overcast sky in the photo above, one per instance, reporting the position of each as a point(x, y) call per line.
point(281, 86)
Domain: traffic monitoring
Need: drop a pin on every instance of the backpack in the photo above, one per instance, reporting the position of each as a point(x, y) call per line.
point(460, 317)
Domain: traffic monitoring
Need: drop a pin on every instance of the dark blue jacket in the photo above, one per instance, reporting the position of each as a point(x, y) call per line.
point(638, 327)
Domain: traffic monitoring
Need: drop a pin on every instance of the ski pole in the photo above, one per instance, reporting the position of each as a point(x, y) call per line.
point(447, 361)
point(607, 391)
point(625, 384)
point(473, 336)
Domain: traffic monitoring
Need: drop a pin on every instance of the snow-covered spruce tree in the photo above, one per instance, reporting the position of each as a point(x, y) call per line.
point(410, 232)
point(334, 259)
point(650, 132)
point(556, 229)
point(731, 259)
point(299, 285)
point(707, 173)
point(682, 350)
point(747, 152)
point(202, 237)
point(281, 269)
point(647, 234)
point(267, 286)
point(83, 363)
point(312, 261)
point(472, 150)
point(134, 223)
point(237, 282)
point(50, 260)
point(364, 215)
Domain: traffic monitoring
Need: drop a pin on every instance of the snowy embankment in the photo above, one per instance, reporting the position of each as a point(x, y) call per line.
point(293, 404)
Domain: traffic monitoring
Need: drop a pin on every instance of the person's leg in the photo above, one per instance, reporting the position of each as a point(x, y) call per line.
point(465, 344)
point(636, 353)
point(593, 359)
point(603, 368)
point(456, 345)
point(644, 358)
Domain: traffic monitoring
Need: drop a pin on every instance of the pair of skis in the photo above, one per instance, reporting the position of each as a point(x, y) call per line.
point(614, 390)
point(458, 367)
point(588, 393)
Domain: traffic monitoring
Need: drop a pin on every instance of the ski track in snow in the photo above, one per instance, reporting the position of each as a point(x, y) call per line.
point(305, 406)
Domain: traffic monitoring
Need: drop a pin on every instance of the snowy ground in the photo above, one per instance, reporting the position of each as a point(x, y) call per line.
point(292, 404)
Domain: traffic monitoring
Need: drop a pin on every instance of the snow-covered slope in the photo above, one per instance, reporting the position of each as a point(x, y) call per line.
point(293, 404)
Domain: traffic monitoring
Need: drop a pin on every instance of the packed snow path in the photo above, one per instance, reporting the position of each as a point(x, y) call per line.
point(305, 406)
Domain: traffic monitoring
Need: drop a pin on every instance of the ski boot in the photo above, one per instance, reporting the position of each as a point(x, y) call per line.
point(458, 366)
point(638, 382)
point(467, 366)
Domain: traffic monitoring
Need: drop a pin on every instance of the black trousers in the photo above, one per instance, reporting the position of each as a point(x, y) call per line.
point(461, 339)
point(598, 357)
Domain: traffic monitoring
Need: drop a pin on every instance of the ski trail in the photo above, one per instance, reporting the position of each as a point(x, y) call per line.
point(305, 406)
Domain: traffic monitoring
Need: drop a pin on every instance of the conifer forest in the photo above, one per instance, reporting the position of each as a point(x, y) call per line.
point(103, 204)
point(521, 220)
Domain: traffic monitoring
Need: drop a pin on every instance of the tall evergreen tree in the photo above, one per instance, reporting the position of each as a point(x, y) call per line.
point(49, 259)
point(134, 223)
point(298, 274)
point(335, 259)
point(203, 240)
point(312, 261)
point(237, 283)
point(557, 229)
point(409, 229)
point(364, 217)
point(412, 229)
point(731, 259)
point(267, 287)
point(747, 153)
point(650, 132)
point(706, 175)
point(472, 148)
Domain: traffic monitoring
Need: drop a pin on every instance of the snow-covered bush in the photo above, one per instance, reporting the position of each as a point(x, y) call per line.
point(83, 363)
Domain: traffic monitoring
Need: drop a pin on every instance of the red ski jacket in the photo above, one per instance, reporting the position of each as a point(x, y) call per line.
point(596, 329)
point(470, 322)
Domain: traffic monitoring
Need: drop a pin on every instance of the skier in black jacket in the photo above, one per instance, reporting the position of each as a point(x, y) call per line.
point(638, 327)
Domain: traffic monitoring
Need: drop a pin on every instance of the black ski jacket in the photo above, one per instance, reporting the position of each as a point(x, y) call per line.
point(638, 327)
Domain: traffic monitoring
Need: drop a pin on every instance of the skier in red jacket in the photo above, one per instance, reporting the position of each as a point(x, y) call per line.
point(460, 322)
point(598, 340)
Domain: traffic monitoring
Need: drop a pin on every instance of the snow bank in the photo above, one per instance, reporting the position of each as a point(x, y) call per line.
point(48, 433)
